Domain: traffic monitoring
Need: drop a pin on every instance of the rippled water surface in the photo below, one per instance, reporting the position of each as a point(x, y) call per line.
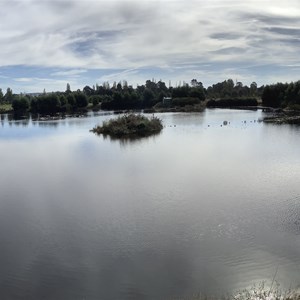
point(201, 207)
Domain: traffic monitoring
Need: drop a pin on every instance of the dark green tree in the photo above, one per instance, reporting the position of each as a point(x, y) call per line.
point(1, 96)
point(63, 100)
point(197, 92)
point(71, 100)
point(20, 105)
point(95, 100)
point(9, 95)
point(119, 87)
point(80, 99)
point(253, 88)
point(196, 83)
point(87, 90)
point(273, 95)
point(148, 97)
point(68, 88)
point(182, 91)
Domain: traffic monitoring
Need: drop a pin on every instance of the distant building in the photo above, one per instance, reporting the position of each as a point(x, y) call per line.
point(33, 94)
point(167, 101)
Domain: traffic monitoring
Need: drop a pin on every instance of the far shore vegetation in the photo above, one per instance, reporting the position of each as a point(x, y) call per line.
point(130, 126)
point(156, 96)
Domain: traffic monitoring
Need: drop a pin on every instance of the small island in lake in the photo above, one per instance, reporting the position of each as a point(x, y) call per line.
point(130, 125)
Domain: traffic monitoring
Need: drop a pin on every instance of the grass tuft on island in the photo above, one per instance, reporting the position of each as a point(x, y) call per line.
point(130, 126)
point(260, 291)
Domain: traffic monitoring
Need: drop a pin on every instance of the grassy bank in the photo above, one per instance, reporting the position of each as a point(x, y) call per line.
point(130, 125)
point(5, 108)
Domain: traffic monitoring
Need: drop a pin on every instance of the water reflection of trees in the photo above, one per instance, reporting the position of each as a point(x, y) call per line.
point(18, 117)
point(23, 123)
point(3, 118)
point(130, 141)
point(44, 124)
point(15, 119)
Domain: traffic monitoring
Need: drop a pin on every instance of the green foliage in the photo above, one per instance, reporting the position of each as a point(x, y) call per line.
point(95, 100)
point(181, 92)
point(1, 96)
point(58, 102)
point(9, 95)
point(227, 89)
point(20, 105)
point(295, 107)
point(121, 96)
point(185, 101)
point(130, 125)
point(292, 94)
point(234, 102)
point(63, 100)
point(5, 108)
point(196, 83)
point(161, 96)
point(45, 103)
point(186, 92)
point(282, 94)
point(68, 88)
point(121, 100)
point(64, 106)
point(71, 100)
point(105, 98)
point(80, 99)
point(148, 97)
point(253, 88)
point(197, 92)
point(88, 91)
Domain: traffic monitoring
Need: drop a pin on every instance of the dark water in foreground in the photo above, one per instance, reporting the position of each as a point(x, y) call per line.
point(194, 209)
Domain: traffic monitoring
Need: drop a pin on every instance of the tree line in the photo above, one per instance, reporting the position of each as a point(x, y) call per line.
point(108, 97)
point(123, 96)
point(282, 95)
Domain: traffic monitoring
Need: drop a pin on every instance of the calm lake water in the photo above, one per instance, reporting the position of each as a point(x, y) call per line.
point(198, 208)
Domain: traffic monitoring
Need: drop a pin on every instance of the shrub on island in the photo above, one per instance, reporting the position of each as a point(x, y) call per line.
point(130, 125)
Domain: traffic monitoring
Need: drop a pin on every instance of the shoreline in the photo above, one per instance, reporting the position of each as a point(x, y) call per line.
point(279, 116)
point(285, 116)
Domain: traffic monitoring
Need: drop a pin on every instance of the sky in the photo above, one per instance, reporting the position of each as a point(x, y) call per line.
point(45, 44)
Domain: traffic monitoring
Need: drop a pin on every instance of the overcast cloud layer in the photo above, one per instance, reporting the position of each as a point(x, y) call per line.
point(45, 44)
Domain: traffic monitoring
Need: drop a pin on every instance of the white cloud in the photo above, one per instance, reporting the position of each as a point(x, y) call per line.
point(23, 79)
point(73, 72)
point(118, 76)
point(131, 35)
